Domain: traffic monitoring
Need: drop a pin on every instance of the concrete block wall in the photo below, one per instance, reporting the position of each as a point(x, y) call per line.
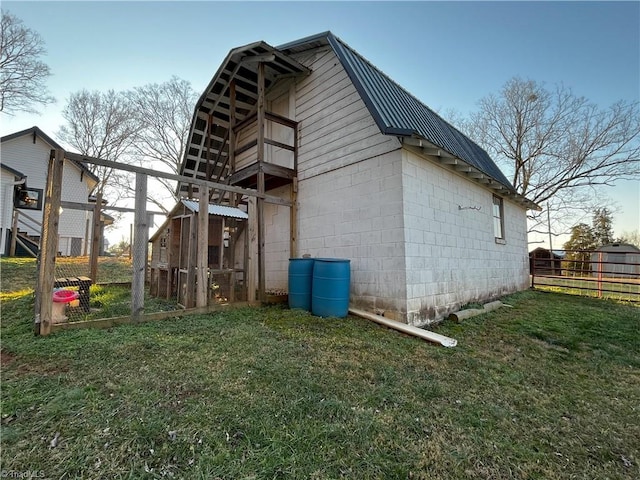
point(451, 253)
point(355, 212)
point(277, 221)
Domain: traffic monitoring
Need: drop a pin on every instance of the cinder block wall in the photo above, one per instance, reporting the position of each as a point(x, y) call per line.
point(451, 253)
point(355, 212)
point(277, 229)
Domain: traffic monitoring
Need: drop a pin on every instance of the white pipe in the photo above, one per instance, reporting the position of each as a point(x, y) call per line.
point(404, 328)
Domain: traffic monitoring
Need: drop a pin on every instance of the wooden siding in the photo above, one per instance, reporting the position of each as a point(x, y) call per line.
point(32, 159)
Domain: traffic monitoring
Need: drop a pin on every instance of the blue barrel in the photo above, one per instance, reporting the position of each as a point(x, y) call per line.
point(300, 278)
point(330, 292)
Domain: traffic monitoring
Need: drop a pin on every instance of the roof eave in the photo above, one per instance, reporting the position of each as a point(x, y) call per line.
point(472, 173)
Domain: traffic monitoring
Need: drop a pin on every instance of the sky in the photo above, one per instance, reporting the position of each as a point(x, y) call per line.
point(447, 54)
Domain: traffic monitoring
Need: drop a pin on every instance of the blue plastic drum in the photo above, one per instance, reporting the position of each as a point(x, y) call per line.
point(300, 279)
point(330, 287)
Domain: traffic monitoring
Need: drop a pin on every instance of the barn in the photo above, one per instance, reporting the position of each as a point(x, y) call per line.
point(346, 163)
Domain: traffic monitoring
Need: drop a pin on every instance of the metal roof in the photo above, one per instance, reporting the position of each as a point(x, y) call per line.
point(396, 111)
point(220, 210)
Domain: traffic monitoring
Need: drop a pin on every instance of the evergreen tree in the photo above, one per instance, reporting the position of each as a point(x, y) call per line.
point(577, 260)
point(602, 227)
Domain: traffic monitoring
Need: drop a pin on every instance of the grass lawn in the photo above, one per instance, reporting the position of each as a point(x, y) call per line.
point(548, 389)
point(18, 276)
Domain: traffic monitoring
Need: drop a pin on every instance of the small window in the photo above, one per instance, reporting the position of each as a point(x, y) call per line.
point(29, 198)
point(498, 218)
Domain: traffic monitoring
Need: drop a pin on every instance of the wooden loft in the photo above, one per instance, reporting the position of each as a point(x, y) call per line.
point(274, 175)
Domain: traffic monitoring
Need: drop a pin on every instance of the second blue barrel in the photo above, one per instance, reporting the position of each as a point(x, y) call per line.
point(330, 287)
point(300, 277)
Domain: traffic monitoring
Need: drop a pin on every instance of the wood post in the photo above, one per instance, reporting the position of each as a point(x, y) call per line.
point(95, 239)
point(260, 180)
point(202, 259)
point(293, 221)
point(251, 249)
point(192, 249)
point(87, 229)
point(14, 233)
point(140, 245)
point(49, 243)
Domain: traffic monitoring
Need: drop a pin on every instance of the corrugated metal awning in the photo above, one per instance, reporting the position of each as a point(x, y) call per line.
point(214, 209)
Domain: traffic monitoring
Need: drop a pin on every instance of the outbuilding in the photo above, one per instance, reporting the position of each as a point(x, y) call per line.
point(174, 246)
point(348, 164)
point(616, 260)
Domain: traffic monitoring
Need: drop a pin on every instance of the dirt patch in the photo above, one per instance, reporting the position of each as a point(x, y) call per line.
point(6, 358)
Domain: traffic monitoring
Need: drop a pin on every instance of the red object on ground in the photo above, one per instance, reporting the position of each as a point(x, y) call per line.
point(65, 296)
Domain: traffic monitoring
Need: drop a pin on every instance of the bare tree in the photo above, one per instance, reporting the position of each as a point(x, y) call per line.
point(163, 113)
point(101, 125)
point(22, 73)
point(631, 237)
point(557, 146)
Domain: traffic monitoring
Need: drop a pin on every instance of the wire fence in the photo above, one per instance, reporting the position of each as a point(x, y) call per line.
point(612, 272)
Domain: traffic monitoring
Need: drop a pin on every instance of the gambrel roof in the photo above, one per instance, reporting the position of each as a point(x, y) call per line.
point(395, 111)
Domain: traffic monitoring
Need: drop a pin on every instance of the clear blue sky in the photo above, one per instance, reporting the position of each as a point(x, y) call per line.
point(448, 54)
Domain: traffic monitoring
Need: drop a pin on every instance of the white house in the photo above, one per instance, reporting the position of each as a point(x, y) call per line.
point(427, 219)
point(26, 154)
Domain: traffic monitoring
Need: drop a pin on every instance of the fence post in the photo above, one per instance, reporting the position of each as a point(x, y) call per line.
point(95, 239)
point(202, 259)
point(49, 243)
point(599, 274)
point(140, 241)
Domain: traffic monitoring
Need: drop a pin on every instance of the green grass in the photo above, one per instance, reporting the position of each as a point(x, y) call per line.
point(548, 389)
point(623, 289)
point(21, 274)
point(106, 301)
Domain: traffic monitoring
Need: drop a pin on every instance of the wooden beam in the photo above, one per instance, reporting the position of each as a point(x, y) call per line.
point(171, 176)
point(87, 229)
point(202, 264)
point(95, 239)
point(192, 247)
point(14, 233)
point(140, 245)
point(251, 250)
point(284, 146)
point(287, 122)
point(149, 317)
point(263, 57)
point(293, 220)
point(232, 124)
point(49, 244)
point(261, 186)
point(92, 206)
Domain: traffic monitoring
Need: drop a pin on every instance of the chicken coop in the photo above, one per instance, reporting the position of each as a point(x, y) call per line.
point(174, 248)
